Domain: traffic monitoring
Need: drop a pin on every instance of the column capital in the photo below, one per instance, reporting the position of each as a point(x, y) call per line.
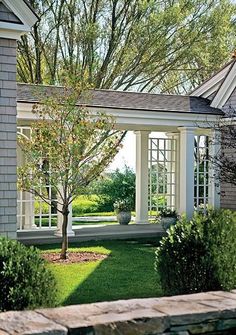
point(172, 134)
point(142, 132)
point(187, 129)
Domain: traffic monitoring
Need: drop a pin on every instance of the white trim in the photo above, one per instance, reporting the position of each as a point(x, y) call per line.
point(10, 34)
point(211, 85)
point(225, 89)
point(137, 120)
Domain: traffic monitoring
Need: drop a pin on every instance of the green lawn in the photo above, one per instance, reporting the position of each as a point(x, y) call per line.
point(128, 272)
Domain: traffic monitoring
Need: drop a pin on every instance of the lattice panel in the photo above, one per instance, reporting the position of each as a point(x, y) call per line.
point(162, 173)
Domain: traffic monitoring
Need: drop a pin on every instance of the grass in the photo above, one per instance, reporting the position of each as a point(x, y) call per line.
point(127, 272)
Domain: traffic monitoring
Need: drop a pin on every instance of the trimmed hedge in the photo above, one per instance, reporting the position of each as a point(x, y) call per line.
point(85, 204)
point(199, 255)
point(25, 282)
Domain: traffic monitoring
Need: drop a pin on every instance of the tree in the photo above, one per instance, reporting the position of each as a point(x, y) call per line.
point(143, 45)
point(76, 145)
point(114, 186)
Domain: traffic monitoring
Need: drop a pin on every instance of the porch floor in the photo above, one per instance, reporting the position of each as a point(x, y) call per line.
point(92, 232)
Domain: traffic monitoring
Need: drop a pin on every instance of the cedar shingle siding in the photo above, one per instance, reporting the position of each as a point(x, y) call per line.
point(7, 16)
point(8, 194)
point(228, 197)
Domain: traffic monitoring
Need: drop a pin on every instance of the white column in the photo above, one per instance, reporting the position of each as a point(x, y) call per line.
point(186, 172)
point(214, 184)
point(70, 232)
point(142, 176)
point(28, 211)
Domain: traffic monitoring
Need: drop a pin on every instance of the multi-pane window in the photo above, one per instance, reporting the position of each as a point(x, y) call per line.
point(162, 174)
point(201, 172)
point(32, 211)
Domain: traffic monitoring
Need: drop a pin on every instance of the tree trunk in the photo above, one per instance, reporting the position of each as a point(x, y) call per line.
point(64, 246)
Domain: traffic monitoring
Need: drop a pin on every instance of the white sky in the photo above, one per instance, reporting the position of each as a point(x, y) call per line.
point(127, 154)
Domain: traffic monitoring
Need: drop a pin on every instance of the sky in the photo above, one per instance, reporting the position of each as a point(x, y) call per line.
point(126, 155)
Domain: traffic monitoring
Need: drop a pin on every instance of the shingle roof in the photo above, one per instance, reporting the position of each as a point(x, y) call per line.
point(125, 100)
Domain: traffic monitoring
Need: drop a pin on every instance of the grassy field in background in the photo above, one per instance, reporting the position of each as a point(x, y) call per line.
point(127, 272)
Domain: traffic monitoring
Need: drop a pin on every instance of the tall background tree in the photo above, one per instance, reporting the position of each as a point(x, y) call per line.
point(144, 45)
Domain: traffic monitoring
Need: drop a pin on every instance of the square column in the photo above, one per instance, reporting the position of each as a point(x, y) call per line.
point(142, 138)
point(186, 171)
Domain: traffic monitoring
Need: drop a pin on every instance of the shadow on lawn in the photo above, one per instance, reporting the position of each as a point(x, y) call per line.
point(128, 272)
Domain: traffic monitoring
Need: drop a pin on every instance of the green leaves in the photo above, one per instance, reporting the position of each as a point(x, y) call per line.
point(199, 255)
point(69, 147)
point(167, 46)
point(26, 282)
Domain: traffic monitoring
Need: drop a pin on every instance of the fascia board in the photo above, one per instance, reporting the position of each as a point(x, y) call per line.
point(225, 89)
point(14, 26)
point(211, 90)
point(10, 34)
point(132, 118)
point(215, 80)
point(23, 12)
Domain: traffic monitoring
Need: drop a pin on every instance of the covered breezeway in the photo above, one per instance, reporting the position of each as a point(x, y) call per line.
point(172, 170)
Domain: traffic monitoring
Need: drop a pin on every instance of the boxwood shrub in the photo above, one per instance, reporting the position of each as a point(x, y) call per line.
point(25, 281)
point(199, 255)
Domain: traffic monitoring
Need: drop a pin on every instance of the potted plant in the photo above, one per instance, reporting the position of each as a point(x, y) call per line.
point(167, 217)
point(123, 211)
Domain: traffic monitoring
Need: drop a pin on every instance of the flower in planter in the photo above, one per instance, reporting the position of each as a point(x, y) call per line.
point(168, 213)
point(122, 206)
point(167, 217)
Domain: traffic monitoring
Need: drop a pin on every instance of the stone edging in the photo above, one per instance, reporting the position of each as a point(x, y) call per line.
point(202, 313)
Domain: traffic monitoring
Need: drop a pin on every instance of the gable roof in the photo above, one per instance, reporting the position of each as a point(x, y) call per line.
point(212, 84)
point(219, 87)
point(19, 18)
point(6, 15)
point(226, 88)
point(100, 98)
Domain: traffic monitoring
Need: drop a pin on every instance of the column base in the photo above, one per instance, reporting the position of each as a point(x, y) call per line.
point(58, 233)
point(141, 221)
point(29, 226)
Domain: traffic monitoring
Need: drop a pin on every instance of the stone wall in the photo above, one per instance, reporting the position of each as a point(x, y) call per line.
point(204, 313)
point(228, 191)
point(8, 194)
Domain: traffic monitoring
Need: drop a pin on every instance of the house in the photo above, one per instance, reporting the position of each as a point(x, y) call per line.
point(185, 181)
point(16, 18)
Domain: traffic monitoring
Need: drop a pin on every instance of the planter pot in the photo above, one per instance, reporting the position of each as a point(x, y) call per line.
point(166, 222)
point(124, 217)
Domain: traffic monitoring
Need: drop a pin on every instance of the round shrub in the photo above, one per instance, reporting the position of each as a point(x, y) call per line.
point(25, 282)
point(199, 255)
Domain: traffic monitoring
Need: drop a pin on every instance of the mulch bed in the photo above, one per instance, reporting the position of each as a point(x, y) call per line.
point(73, 257)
